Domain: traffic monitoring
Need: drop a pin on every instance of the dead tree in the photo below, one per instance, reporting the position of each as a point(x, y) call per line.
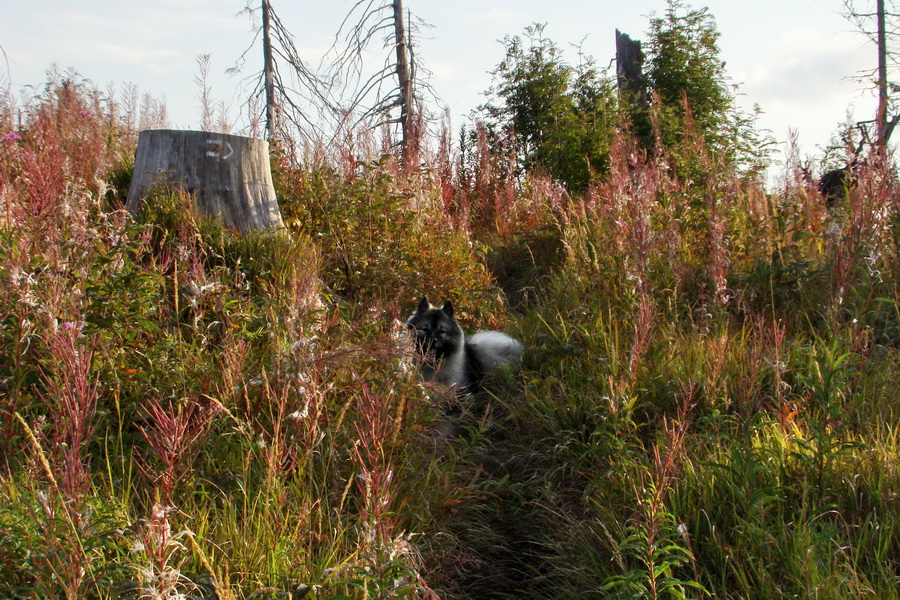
point(295, 95)
point(396, 86)
point(338, 93)
point(404, 80)
point(268, 70)
point(881, 26)
point(632, 85)
point(630, 68)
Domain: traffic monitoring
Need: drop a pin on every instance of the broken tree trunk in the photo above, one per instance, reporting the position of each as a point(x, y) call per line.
point(633, 87)
point(229, 176)
point(268, 70)
point(629, 69)
point(404, 79)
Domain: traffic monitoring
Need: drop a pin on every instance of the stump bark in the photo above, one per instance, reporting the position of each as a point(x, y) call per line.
point(229, 176)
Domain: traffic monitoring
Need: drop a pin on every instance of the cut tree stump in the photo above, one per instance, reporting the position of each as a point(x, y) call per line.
point(228, 176)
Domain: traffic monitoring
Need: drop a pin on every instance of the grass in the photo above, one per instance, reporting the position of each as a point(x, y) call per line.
point(706, 408)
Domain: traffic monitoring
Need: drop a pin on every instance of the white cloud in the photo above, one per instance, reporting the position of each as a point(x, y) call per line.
point(803, 80)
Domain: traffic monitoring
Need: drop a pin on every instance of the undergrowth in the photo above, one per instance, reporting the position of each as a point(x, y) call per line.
point(706, 406)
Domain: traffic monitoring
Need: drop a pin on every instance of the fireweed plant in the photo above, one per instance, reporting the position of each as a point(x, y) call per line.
point(706, 407)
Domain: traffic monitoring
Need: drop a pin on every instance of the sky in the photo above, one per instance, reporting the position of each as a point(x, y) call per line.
point(796, 59)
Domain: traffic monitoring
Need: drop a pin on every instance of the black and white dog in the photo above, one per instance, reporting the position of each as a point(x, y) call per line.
point(452, 359)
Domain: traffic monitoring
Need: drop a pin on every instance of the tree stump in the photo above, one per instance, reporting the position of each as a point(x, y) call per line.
point(229, 176)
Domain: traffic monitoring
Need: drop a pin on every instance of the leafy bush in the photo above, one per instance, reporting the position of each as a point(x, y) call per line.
point(562, 116)
point(374, 245)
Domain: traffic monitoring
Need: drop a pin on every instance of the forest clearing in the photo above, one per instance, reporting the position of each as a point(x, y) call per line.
point(707, 406)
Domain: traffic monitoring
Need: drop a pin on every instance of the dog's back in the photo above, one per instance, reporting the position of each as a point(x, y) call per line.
point(493, 350)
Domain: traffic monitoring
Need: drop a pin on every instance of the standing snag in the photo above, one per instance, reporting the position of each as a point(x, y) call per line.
point(632, 86)
point(630, 69)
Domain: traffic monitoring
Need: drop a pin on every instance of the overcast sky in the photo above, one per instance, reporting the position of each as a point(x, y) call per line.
point(794, 58)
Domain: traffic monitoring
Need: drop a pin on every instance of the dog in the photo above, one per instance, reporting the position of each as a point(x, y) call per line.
point(449, 357)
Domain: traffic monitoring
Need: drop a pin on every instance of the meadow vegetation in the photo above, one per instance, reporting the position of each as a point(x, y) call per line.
point(708, 405)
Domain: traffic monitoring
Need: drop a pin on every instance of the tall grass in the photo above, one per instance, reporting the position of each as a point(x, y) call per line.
point(706, 406)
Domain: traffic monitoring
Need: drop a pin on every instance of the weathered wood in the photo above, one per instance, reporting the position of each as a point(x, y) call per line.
point(404, 78)
point(881, 122)
point(268, 70)
point(629, 69)
point(228, 175)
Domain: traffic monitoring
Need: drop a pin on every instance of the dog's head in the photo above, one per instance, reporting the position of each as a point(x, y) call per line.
point(435, 330)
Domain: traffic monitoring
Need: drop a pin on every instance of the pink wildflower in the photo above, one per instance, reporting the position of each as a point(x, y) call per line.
point(72, 325)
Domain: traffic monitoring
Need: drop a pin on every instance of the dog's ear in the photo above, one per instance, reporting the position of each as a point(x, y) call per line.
point(448, 308)
point(423, 305)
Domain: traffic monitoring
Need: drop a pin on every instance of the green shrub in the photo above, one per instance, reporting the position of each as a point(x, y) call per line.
point(374, 246)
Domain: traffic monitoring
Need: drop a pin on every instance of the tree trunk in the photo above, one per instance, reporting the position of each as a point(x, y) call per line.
point(268, 70)
point(881, 115)
point(403, 77)
point(633, 88)
point(629, 69)
point(228, 175)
